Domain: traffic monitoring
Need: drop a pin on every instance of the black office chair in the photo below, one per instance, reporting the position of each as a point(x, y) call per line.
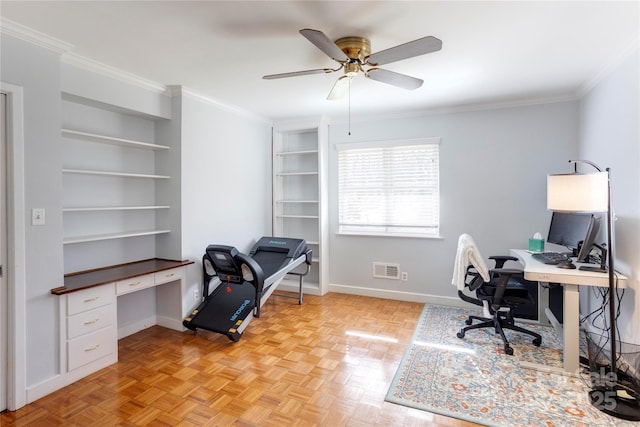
point(502, 294)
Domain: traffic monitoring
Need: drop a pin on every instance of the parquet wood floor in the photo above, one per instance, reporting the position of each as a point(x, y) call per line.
point(328, 362)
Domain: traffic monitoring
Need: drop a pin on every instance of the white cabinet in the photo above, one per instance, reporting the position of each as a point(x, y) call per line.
point(90, 340)
point(89, 310)
point(299, 193)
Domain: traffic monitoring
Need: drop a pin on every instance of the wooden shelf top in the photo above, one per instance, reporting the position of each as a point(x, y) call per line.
point(89, 278)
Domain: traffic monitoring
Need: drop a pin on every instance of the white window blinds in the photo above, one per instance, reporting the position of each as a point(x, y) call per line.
point(389, 188)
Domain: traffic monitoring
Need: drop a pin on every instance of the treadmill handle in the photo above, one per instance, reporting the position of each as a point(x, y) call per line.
point(258, 276)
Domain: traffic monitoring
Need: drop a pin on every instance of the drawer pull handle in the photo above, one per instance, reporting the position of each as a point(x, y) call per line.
point(134, 284)
point(91, 299)
point(169, 275)
point(91, 322)
point(92, 348)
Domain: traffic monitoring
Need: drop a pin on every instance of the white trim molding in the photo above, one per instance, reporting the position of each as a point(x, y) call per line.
point(17, 373)
point(397, 295)
point(186, 92)
point(32, 36)
point(112, 72)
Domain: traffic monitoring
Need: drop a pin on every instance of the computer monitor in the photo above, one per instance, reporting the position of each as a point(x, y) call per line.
point(589, 239)
point(569, 229)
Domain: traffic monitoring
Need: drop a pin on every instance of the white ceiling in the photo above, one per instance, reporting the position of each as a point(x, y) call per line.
point(493, 52)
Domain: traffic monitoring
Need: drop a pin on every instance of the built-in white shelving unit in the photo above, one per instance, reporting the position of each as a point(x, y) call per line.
point(299, 193)
point(111, 177)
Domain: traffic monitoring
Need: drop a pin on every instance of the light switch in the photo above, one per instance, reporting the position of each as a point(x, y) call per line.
point(37, 216)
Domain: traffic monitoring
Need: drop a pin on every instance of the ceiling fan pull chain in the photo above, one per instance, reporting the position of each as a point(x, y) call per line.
point(349, 106)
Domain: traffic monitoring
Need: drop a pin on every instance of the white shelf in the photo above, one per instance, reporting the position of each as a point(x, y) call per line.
point(85, 136)
point(112, 173)
point(296, 201)
point(298, 216)
point(296, 173)
point(98, 237)
point(111, 208)
point(296, 153)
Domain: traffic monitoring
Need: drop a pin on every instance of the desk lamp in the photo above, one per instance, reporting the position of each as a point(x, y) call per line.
point(591, 192)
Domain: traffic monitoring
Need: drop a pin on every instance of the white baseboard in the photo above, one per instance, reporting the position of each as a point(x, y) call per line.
point(46, 387)
point(294, 287)
point(397, 295)
point(39, 390)
point(170, 323)
point(132, 328)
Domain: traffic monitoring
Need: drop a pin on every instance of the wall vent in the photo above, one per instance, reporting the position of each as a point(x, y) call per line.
point(385, 270)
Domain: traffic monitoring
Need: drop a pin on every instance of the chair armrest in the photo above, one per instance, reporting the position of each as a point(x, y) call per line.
point(509, 271)
point(501, 259)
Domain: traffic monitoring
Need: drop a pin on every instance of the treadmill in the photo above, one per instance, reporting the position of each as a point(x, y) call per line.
point(245, 282)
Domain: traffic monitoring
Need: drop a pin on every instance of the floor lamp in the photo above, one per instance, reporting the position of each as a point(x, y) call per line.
point(591, 192)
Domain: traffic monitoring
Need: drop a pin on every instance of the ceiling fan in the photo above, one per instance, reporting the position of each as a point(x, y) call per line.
point(354, 53)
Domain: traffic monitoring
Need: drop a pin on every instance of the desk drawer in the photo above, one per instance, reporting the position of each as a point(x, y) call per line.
point(134, 284)
point(168, 276)
point(89, 321)
point(91, 347)
point(89, 299)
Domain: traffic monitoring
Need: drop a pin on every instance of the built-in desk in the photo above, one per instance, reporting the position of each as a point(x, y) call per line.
point(570, 279)
point(88, 310)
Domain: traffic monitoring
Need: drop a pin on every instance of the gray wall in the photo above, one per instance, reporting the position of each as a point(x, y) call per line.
point(38, 71)
point(493, 167)
point(610, 137)
point(226, 180)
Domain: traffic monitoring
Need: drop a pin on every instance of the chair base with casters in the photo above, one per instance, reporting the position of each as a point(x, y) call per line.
point(501, 320)
point(503, 294)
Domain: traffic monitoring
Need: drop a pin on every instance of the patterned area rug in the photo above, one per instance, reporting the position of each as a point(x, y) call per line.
point(474, 380)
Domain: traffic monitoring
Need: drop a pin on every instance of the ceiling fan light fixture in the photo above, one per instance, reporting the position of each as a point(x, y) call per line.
point(352, 68)
point(340, 88)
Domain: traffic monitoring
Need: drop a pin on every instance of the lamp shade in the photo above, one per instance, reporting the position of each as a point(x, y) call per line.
point(576, 192)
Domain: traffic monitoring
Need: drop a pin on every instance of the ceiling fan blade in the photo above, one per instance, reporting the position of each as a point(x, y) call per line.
point(298, 73)
point(393, 78)
point(339, 89)
point(407, 50)
point(322, 42)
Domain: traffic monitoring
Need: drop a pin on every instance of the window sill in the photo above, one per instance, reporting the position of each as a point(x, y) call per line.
point(397, 235)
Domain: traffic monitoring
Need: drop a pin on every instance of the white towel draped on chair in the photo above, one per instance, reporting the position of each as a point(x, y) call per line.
point(468, 253)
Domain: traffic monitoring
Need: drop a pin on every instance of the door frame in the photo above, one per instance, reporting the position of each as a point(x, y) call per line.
point(4, 306)
point(15, 270)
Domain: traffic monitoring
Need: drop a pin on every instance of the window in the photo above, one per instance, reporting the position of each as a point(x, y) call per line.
point(389, 188)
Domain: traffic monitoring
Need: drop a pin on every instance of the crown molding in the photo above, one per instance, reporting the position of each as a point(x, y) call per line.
point(190, 93)
point(93, 66)
point(608, 67)
point(453, 109)
point(32, 36)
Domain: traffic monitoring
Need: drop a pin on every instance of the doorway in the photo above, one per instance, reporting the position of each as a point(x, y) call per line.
point(4, 306)
point(12, 241)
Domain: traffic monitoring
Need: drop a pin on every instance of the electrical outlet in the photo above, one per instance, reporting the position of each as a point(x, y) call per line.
point(196, 294)
point(405, 276)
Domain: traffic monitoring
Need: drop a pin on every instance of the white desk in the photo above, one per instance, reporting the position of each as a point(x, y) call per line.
point(88, 310)
point(535, 270)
